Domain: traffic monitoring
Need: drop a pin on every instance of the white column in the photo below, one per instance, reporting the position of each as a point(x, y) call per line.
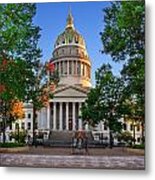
point(67, 116)
point(60, 117)
point(73, 116)
point(48, 116)
point(80, 120)
point(54, 115)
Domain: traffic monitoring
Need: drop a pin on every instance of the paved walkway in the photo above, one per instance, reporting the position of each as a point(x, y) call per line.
point(73, 161)
point(117, 151)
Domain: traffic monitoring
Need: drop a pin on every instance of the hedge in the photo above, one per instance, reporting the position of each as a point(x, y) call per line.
point(11, 145)
point(139, 146)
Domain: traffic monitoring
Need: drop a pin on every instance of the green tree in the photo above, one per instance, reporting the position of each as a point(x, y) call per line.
point(19, 54)
point(123, 38)
point(103, 101)
point(22, 74)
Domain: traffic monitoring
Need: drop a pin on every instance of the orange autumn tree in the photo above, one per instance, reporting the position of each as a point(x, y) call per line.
point(43, 86)
point(17, 109)
point(19, 56)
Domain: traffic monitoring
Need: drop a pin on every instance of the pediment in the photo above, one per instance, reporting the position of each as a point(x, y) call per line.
point(70, 92)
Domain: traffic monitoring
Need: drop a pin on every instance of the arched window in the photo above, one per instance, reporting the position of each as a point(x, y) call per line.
point(63, 41)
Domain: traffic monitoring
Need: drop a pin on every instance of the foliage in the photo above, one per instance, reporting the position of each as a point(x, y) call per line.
point(22, 77)
point(139, 146)
point(19, 136)
point(125, 136)
point(11, 145)
point(103, 101)
point(17, 110)
point(19, 55)
point(123, 38)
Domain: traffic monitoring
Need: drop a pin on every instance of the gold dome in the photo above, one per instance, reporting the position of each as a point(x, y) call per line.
point(70, 36)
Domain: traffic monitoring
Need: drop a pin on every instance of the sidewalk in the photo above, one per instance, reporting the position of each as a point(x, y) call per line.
point(95, 162)
point(116, 158)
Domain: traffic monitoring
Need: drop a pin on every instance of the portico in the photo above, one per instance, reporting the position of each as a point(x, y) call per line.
point(63, 111)
point(64, 115)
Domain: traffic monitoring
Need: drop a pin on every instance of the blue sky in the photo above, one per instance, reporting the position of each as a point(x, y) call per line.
point(88, 20)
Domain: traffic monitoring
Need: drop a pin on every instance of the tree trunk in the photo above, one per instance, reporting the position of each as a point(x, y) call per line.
point(4, 122)
point(34, 125)
point(110, 139)
point(4, 127)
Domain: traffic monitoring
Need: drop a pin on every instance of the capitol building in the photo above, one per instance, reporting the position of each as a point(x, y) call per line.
point(72, 62)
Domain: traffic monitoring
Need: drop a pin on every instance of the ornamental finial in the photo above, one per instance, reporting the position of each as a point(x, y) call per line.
point(70, 23)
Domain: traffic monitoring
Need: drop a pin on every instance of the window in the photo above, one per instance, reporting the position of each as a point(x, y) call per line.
point(105, 126)
point(125, 126)
point(28, 125)
point(29, 116)
point(138, 139)
point(16, 126)
point(131, 127)
point(138, 127)
point(10, 126)
point(23, 125)
point(10, 138)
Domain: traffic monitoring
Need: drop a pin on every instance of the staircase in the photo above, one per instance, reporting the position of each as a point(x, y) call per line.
point(63, 138)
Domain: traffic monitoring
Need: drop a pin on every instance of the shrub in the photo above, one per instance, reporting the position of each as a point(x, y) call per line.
point(19, 136)
point(139, 146)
